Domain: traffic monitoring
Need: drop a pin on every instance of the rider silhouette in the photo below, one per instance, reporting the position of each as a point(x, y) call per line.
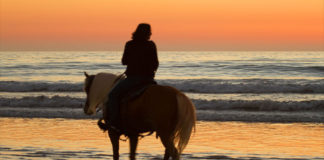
point(140, 56)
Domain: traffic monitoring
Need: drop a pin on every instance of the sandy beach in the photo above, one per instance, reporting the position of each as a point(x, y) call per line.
point(41, 138)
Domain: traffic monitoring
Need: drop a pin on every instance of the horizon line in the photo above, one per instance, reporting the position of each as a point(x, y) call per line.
point(161, 50)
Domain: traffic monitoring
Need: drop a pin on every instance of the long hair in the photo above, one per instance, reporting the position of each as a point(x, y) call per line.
point(142, 32)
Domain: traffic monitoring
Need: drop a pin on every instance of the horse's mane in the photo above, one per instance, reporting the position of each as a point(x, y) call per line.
point(88, 82)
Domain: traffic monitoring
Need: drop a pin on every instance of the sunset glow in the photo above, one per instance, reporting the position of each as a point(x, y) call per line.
point(177, 25)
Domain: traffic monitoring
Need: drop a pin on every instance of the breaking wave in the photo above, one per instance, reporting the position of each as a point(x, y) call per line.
point(189, 85)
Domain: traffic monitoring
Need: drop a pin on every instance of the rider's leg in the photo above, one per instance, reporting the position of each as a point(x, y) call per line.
point(114, 98)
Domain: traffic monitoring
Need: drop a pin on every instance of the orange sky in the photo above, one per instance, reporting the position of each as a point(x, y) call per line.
point(176, 24)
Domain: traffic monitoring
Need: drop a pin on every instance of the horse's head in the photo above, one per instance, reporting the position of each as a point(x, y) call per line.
point(87, 85)
point(97, 88)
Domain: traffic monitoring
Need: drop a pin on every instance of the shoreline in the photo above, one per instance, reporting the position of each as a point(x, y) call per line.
point(202, 115)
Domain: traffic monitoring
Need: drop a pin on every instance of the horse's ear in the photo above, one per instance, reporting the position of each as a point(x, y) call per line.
point(86, 74)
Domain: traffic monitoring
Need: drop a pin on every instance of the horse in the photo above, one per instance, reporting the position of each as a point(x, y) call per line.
point(160, 109)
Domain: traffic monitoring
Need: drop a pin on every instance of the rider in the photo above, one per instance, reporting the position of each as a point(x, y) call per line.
point(140, 56)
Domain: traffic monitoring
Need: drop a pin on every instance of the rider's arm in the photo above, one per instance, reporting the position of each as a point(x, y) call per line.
point(155, 60)
point(126, 54)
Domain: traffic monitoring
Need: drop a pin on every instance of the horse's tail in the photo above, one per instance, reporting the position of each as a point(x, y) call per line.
point(186, 121)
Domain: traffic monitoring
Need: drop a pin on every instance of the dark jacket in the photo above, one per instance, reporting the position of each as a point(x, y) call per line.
point(141, 59)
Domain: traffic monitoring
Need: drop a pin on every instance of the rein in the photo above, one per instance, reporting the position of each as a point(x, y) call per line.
point(117, 80)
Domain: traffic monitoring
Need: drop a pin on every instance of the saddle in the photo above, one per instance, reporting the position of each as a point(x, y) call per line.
point(135, 92)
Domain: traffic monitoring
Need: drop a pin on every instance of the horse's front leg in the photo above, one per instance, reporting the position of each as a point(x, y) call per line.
point(133, 144)
point(114, 138)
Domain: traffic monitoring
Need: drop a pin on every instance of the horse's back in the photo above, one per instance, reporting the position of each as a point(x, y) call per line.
point(161, 99)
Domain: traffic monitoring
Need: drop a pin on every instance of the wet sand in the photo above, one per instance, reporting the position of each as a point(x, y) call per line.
point(41, 138)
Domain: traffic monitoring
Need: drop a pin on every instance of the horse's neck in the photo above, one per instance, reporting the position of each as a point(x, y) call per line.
point(100, 88)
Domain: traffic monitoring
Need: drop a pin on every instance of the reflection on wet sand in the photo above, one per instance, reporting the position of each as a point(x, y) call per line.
point(73, 139)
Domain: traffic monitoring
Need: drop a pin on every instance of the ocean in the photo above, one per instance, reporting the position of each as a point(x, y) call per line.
point(227, 87)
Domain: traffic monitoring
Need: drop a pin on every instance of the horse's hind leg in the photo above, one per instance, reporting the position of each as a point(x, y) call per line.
point(170, 149)
point(133, 144)
point(114, 138)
